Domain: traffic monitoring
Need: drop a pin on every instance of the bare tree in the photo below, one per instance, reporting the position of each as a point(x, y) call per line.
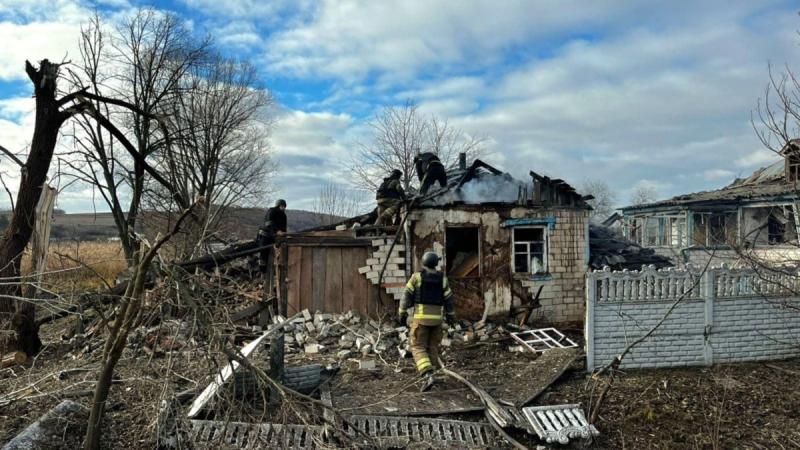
point(143, 61)
point(335, 202)
point(220, 151)
point(643, 194)
point(397, 134)
point(603, 202)
point(17, 314)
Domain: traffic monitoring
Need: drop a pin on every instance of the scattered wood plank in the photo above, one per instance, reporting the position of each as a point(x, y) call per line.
point(248, 312)
point(13, 359)
point(466, 268)
point(226, 373)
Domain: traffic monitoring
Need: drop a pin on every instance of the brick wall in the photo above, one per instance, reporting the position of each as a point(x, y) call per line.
point(723, 315)
point(562, 298)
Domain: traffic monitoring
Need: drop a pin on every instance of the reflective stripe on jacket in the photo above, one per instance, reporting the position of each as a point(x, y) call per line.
point(431, 314)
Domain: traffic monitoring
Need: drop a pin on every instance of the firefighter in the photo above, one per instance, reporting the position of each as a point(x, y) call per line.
point(389, 195)
point(274, 224)
point(429, 170)
point(432, 299)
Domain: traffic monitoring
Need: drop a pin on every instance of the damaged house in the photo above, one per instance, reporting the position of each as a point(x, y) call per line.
point(504, 243)
point(756, 215)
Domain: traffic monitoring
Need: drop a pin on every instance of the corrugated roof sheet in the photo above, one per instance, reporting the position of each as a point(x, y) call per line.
point(764, 184)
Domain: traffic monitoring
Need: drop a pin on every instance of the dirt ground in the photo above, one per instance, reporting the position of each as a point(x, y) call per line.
point(742, 406)
point(748, 406)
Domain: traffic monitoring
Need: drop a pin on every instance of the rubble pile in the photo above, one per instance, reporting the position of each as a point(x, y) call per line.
point(349, 335)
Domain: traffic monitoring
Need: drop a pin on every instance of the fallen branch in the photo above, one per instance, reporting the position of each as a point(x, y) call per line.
point(781, 369)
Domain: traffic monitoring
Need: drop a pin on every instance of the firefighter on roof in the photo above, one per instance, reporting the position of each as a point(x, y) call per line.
point(389, 195)
point(428, 292)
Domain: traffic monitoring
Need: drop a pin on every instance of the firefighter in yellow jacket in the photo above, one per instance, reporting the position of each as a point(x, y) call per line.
point(428, 292)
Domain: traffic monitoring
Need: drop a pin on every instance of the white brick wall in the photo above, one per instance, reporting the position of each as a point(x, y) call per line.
point(733, 316)
point(394, 274)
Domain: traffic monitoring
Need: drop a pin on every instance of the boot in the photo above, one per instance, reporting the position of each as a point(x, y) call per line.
point(429, 381)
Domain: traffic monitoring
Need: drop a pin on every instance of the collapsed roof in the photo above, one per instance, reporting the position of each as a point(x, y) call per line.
point(765, 184)
point(618, 253)
point(480, 183)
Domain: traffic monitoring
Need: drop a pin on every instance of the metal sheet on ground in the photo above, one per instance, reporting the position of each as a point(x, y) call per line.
point(420, 403)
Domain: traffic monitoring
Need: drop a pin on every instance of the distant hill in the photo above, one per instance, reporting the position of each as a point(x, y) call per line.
point(239, 224)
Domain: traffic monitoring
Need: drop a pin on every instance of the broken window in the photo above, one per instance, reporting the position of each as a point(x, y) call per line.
point(677, 232)
point(530, 250)
point(462, 252)
point(775, 229)
point(715, 228)
point(652, 229)
point(793, 168)
point(722, 229)
point(781, 226)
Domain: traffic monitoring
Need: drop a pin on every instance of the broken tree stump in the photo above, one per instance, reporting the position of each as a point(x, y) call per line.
point(13, 359)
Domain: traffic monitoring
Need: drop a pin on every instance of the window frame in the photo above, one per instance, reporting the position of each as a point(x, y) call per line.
point(545, 250)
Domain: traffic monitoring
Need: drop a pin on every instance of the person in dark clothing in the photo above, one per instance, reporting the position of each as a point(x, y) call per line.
point(389, 195)
point(429, 170)
point(274, 224)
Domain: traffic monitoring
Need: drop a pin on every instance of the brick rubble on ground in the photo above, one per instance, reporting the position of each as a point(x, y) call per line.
point(349, 335)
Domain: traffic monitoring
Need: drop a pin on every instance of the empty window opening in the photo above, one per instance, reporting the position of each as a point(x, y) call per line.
point(793, 168)
point(462, 248)
point(715, 229)
point(530, 250)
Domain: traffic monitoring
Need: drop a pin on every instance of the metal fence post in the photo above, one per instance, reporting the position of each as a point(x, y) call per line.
point(709, 297)
point(591, 297)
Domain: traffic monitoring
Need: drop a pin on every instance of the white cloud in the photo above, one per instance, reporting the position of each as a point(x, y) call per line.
point(718, 174)
point(351, 39)
point(311, 150)
point(38, 29)
point(755, 158)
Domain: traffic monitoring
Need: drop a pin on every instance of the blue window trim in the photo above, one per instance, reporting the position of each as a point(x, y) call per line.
point(549, 221)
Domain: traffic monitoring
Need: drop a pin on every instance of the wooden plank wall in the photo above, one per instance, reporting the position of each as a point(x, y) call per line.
point(326, 279)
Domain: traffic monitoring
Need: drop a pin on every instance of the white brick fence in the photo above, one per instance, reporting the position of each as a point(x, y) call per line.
point(725, 315)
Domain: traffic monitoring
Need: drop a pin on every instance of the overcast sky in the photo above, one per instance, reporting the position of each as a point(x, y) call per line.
point(626, 91)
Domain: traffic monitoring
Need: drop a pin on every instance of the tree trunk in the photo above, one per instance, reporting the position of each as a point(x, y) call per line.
point(16, 315)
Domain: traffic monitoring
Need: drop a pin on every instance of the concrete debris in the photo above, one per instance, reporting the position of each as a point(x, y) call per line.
point(67, 418)
point(559, 423)
point(367, 364)
point(348, 335)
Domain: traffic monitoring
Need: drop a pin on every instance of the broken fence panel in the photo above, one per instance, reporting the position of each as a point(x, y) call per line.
point(559, 423)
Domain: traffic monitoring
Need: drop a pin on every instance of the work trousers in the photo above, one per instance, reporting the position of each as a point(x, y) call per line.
point(425, 341)
point(436, 174)
point(388, 208)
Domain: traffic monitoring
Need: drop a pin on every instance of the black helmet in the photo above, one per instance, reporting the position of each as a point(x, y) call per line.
point(430, 260)
point(396, 173)
point(280, 202)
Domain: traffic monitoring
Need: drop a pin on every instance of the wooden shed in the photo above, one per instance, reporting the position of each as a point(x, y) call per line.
point(321, 273)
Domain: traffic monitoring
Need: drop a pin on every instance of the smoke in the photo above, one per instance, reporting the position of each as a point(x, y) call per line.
point(485, 188)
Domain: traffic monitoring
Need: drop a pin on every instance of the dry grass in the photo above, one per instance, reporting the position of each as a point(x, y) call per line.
point(74, 266)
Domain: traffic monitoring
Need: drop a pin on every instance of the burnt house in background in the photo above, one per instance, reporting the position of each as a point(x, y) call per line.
point(756, 215)
point(502, 242)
